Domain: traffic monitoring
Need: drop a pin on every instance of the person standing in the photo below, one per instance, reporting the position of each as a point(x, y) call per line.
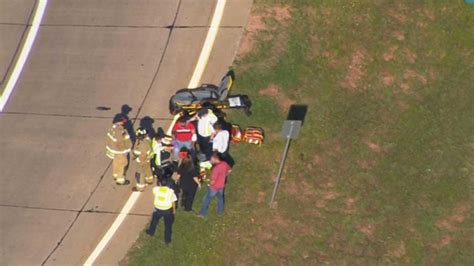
point(188, 179)
point(164, 206)
point(220, 142)
point(163, 164)
point(205, 129)
point(184, 134)
point(142, 154)
point(118, 147)
point(220, 170)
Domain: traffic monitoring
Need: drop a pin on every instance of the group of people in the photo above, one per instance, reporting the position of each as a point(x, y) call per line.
point(178, 162)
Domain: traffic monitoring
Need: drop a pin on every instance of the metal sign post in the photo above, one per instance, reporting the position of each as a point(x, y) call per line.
point(291, 129)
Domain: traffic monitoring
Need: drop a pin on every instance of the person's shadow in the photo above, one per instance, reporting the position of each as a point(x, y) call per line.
point(147, 124)
point(125, 110)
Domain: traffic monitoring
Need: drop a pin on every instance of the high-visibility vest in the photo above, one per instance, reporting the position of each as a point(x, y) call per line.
point(157, 147)
point(163, 198)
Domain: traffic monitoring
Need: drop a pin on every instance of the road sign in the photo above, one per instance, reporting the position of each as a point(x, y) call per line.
point(291, 129)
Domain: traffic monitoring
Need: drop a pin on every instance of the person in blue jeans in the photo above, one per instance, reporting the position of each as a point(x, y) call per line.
point(220, 170)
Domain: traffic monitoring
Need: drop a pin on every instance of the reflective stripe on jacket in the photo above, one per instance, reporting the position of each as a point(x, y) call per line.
point(142, 150)
point(118, 141)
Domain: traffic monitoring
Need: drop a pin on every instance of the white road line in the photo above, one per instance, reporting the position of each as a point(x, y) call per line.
point(24, 52)
point(208, 44)
point(113, 228)
point(195, 79)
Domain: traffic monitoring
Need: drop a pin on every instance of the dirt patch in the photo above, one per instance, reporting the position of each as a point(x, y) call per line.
point(457, 216)
point(405, 87)
point(317, 159)
point(274, 91)
point(410, 56)
point(429, 14)
point(355, 72)
point(390, 54)
point(366, 229)
point(256, 24)
point(409, 74)
point(399, 35)
point(397, 250)
point(375, 147)
point(350, 206)
point(396, 14)
point(365, 164)
point(264, 235)
point(281, 12)
point(291, 188)
point(271, 90)
point(387, 78)
point(261, 197)
point(330, 195)
point(443, 241)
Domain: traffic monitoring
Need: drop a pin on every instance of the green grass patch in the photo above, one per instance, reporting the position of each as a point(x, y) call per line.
point(382, 171)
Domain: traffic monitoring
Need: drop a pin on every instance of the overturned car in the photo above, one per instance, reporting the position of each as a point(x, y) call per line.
point(211, 96)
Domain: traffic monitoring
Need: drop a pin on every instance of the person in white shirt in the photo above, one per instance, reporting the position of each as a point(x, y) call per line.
point(220, 141)
point(205, 125)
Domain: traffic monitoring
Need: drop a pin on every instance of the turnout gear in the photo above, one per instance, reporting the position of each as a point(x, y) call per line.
point(141, 132)
point(117, 148)
point(142, 155)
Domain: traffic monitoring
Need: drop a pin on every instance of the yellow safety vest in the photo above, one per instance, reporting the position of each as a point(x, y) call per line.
point(163, 198)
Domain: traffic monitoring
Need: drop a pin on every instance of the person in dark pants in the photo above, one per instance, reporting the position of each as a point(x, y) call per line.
point(205, 129)
point(188, 179)
point(164, 206)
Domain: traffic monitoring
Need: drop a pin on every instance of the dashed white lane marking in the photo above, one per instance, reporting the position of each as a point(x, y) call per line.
point(24, 52)
point(195, 79)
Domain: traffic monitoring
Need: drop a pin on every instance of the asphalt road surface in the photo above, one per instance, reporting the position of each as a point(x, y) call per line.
point(57, 196)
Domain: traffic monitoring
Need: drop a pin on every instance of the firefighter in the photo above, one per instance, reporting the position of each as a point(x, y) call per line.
point(142, 154)
point(118, 147)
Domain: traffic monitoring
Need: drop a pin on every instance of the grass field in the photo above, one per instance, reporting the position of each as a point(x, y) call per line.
point(383, 169)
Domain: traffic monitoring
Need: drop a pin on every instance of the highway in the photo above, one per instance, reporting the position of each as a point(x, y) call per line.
point(57, 196)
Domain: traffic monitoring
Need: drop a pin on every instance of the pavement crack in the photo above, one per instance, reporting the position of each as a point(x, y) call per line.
point(20, 43)
point(136, 118)
point(77, 215)
point(171, 28)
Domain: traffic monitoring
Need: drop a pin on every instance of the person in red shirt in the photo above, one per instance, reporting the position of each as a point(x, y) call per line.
point(184, 135)
point(219, 172)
